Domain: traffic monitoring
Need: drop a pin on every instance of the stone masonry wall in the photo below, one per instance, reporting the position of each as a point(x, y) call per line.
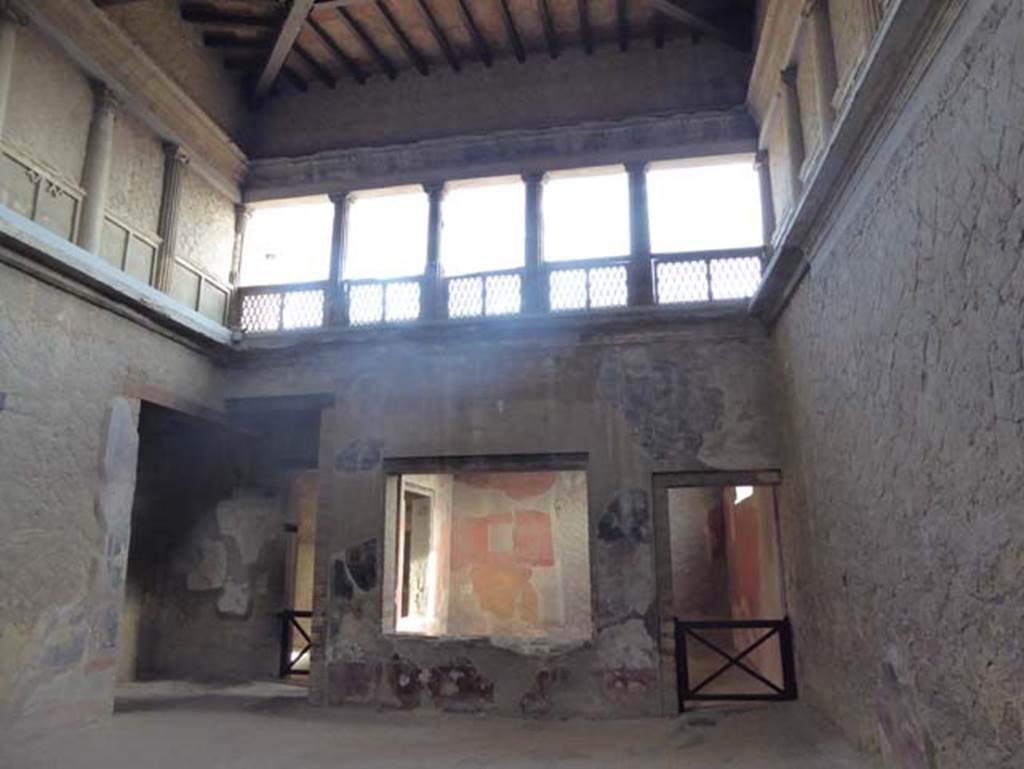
point(68, 438)
point(903, 507)
point(693, 397)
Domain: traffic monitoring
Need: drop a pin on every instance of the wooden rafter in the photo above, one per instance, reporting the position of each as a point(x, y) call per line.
point(225, 39)
point(364, 37)
point(513, 33)
point(286, 37)
point(622, 21)
point(586, 34)
point(415, 57)
point(483, 50)
point(550, 36)
point(438, 33)
point(325, 75)
point(335, 48)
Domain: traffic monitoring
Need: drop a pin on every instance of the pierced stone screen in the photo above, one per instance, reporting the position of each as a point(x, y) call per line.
point(488, 554)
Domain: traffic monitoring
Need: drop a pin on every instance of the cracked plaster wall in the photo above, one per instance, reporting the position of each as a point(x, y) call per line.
point(903, 511)
point(66, 431)
point(695, 397)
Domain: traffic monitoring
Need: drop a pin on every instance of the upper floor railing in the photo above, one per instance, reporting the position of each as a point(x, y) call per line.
point(559, 288)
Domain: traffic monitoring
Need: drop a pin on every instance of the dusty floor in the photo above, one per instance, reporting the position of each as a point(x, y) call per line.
point(186, 726)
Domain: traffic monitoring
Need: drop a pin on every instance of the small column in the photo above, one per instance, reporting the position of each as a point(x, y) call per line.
point(435, 302)
point(96, 173)
point(794, 131)
point(816, 13)
point(767, 202)
point(243, 214)
point(337, 301)
point(176, 160)
point(641, 287)
point(10, 20)
point(535, 300)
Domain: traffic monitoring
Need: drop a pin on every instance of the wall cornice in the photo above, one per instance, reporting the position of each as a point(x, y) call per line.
point(104, 51)
point(646, 139)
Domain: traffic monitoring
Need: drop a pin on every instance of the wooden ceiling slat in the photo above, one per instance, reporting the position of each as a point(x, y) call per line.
point(622, 11)
point(550, 36)
point(439, 35)
point(414, 56)
point(482, 48)
point(382, 61)
point(512, 32)
point(325, 75)
point(203, 13)
point(586, 34)
point(335, 48)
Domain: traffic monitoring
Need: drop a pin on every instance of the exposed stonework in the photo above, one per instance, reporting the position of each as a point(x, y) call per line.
point(902, 360)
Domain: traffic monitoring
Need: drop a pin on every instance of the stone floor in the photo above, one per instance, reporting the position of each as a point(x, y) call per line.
point(259, 726)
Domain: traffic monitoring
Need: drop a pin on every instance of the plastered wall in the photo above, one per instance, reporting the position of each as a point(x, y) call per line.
point(698, 396)
point(68, 438)
point(207, 226)
point(902, 513)
point(136, 174)
point(50, 106)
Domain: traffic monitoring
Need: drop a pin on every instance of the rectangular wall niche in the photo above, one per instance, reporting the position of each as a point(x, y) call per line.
point(488, 554)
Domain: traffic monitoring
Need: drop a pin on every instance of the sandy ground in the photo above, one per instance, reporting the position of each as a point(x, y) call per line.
point(259, 726)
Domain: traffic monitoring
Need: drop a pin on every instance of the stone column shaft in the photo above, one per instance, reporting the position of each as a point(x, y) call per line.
point(175, 163)
point(96, 173)
point(794, 132)
point(337, 301)
point(434, 307)
point(767, 201)
point(641, 285)
point(816, 13)
point(534, 294)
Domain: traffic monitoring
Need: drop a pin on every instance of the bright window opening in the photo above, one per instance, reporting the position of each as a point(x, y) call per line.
point(704, 205)
point(586, 214)
point(288, 242)
point(488, 554)
point(484, 226)
point(387, 234)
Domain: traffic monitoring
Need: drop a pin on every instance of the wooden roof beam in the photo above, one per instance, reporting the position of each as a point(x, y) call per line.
point(513, 33)
point(550, 35)
point(438, 33)
point(364, 37)
point(286, 37)
point(623, 24)
point(325, 75)
point(335, 48)
point(586, 33)
point(678, 11)
point(413, 55)
point(231, 40)
point(483, 50)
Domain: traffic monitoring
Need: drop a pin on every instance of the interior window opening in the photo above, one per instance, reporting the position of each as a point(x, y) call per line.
point(484, 223)
point(705, 204)
point(586, 214)
point(501, 555)
point(287, 242)
point(386, 234)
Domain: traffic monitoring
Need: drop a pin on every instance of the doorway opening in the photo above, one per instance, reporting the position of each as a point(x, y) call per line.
point(723, 600)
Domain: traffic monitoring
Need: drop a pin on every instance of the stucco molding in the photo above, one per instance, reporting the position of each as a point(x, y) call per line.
point(644, 139)
point(106, 53)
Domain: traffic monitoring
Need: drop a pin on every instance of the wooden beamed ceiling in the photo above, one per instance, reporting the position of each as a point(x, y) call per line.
point(270, 42)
